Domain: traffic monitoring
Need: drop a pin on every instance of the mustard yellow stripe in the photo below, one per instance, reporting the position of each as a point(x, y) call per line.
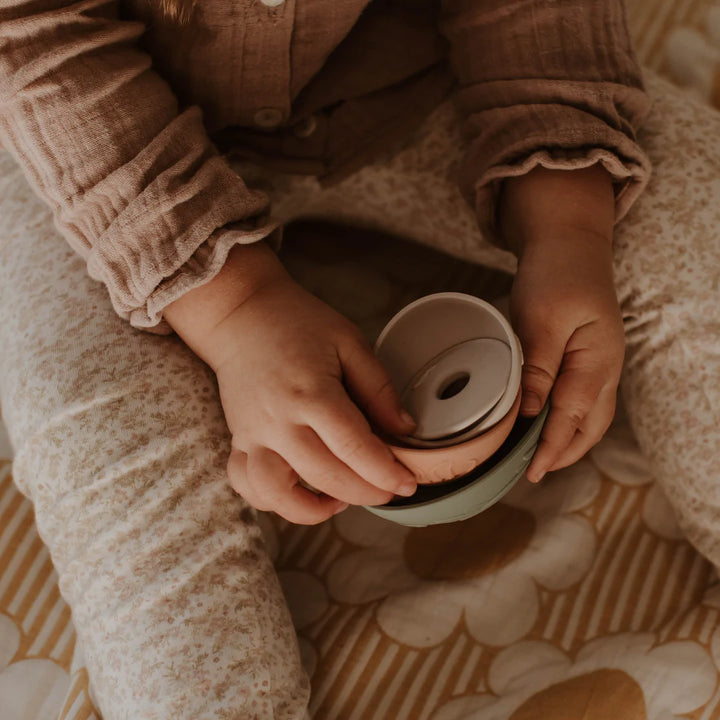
point(698, 623)
point(314, 548)
point(65, 657)
point(675, 625)
point(42, 616)
point(560, 609)
point(86, 711)
point(59, 628)
point(456, 670)
point(701, 573)
point(638, 583)
point(545, 610)
point(78, 690)
point(361, 680)
point(77, 686)
point(435, 669)
point(383, 686)
point(681, 581)
point(42, 576)
point(330, 645)
point(319, 627)
point(21, 575)
point(400, 695)
point(479, 675)
point(24, 527)
point(608, 594)
point(5, 518)
point(656, 588)
point(606, 494)
point(329, 638)
point(463, 673)
point(6, 480)
point(352, 642)
point(575, 630)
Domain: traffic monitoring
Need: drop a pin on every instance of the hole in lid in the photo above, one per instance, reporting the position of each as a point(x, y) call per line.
point(453, 385)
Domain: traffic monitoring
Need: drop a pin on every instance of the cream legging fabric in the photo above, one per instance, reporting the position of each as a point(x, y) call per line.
point(121, 444)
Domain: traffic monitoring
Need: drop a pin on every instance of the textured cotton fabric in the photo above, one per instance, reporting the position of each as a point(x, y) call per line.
point(115, 113)
point(121, 444)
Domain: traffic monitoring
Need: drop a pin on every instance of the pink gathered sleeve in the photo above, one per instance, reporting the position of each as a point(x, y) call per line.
point(135, 185)
point(545, 82)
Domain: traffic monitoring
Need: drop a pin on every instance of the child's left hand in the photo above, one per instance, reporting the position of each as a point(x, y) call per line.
point(564, 307)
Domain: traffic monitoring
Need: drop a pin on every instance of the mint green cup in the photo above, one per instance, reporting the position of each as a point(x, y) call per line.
point(470, 494)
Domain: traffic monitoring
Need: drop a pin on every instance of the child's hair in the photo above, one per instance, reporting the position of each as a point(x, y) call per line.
point(179, 10)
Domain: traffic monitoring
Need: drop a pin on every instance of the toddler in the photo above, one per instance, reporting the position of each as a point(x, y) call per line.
point(115, 112)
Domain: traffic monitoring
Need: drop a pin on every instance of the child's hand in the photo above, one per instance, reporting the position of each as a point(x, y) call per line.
point(293, 374)
point(290, 367)
point(564, 307)
point(567, 317)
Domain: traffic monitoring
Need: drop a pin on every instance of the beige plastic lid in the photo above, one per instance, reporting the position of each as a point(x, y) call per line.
point(457, 388)
point(435, 342)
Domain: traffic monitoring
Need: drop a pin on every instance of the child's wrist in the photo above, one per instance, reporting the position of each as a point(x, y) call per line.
point(548, 207)
point(198, 312)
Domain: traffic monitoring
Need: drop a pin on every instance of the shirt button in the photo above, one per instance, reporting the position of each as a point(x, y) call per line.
point(268, 117)
point(272, 3)
point(305, 128)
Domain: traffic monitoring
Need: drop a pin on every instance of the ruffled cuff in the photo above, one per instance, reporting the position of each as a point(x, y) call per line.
point(629, 179)
point(513, 126)
point(205, 263)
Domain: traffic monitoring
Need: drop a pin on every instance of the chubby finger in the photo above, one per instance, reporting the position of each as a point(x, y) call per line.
point(572, 398)
point(369, 385)
point(346, 433)
point(591, 430)
point(543, 356)
point(316, 464)
point(268, 483)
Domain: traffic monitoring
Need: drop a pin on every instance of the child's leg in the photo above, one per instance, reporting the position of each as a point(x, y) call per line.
point(121, 444)
point(668, 278)
point(667, 269)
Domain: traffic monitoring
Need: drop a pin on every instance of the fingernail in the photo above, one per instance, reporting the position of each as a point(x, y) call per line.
point(407, 418)
point(530, 403)
point(407, 489)
point(537, 476)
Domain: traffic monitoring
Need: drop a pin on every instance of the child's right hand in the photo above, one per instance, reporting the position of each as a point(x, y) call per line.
point(294, 375)
point(292, 372)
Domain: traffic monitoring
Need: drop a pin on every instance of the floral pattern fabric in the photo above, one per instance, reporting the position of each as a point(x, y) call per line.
point(581, 597)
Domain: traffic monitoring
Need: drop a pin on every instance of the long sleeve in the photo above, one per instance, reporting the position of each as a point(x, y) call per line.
point(548, 82)
point(135, 185)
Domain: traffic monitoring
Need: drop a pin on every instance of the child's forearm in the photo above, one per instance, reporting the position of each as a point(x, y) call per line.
point(545, 206)
point(195, 314)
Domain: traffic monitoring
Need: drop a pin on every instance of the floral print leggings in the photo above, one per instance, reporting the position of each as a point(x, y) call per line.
point(121, 444)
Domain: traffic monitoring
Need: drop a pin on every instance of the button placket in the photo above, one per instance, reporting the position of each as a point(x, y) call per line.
point(264, 94)
point(268, 117)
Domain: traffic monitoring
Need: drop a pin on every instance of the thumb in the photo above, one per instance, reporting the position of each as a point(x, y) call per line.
point(369, 385)
point(543, 354)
